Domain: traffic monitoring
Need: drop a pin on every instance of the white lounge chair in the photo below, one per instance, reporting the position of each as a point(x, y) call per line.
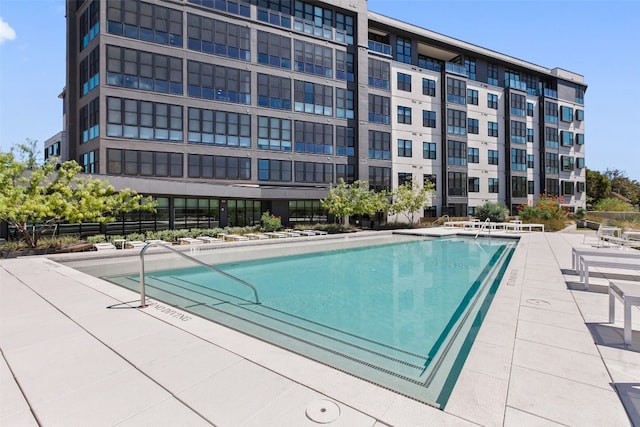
point(209, 239)
point(189, 241)
point(576, 253)
point(585, 263)
point(135, 244)
point(629, 295)
point(276, 235)
point(257, 236)
point(104, 246)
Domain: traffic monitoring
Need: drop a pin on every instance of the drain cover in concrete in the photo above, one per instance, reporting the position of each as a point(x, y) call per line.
point(323, 411)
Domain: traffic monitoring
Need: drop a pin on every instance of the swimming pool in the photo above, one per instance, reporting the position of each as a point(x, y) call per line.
point(401, 312)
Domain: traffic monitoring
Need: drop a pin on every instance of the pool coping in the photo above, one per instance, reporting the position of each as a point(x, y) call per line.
point(500, 383)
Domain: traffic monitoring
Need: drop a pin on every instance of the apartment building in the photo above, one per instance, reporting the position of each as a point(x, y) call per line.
point(223, 109)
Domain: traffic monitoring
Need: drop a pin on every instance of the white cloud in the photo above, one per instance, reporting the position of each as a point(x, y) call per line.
point(6, 32)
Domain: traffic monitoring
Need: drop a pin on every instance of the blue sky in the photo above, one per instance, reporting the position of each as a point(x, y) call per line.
point(597, 39)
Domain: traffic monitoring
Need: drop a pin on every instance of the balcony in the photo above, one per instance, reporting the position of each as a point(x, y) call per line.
point(322, 31)
point(378, 47)
point(515, 84)
point(456, 69)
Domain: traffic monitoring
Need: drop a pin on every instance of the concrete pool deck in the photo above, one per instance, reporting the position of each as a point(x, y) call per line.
point(76, 351)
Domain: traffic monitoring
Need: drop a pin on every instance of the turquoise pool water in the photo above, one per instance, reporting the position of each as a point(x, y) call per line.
point(402, 315)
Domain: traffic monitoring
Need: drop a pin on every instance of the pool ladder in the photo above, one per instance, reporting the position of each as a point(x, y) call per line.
point(486, 225)
point(197, 261)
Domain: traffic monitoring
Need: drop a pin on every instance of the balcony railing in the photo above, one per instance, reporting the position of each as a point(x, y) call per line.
point(382, 48)
point(516, 84)
point(325, 32)
point(456, 69)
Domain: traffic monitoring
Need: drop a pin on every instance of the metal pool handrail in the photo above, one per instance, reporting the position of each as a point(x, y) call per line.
point(484, 225)
point(197, 261)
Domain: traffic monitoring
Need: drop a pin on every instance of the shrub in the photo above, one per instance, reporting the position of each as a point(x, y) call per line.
point(611, 204)
point(270, 222)
point(546, 208)
point(496, 212)
point(98, 238)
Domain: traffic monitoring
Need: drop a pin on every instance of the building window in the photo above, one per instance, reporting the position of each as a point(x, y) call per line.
point(428, 87)
point(89, 162)
point(580, 187)
point(474, 185)
point(345, 141)
point(552, 187)
point(379, 178)
point(321, 173)
point(229, 6)
point(314, 138)
point(404, 115)
point(579, 115)
point(379, 145)
point(531, 187)
point(274, 170)
point(492, 101)
point(345, 28)
point(580, 138)
point(518, 105)
point(274, 92)
point(473, 126)
point(428, 119)
point(473, 155)
point(129, 118)
point(379, 74)
point(492, 74)
point(551, 137)
point(472, 97)
point(567, 163)
point(492, 129)
point(456, 153)
point(405, 148)
point(429, 63)
point(429, 150)
point(530, 161)
point(344, 66)
point(492, 157)
point(90, 121)
point(219, 167)
point(550, 112)
point(379, 109)
point(456, 122)
point(346, 172)
point(566, 114)
point(313, 58)
point(274, 50)
point(470, 66)
point(145, 163)
point(404, 178)
point(276, 12)
point(551, 163)
point(566, 138)
point(519, 186)
point(494, 185)
point(226, 39)
point(529, 109)
point(403, 50)
point(210, 81)
point(89, 74)
point(134, 69)
point(567, 188)
point(518, 159)
point(580, 94)
point(89, 24)
point(404, 82)
point(344, 104)
point(580, 162)
point(456, 91)
point(457, 184)
point(219, 128)
point(274, 134)
point(313, 98)
point(518, 132)
point(530, 135)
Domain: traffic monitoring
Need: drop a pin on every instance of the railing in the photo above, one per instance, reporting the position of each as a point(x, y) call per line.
point(456, 69)
point(197, 261)
point(484, 226)
point(379, 47)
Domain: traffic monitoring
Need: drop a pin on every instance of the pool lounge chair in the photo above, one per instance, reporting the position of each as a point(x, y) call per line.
point(104, 246)
point(135, 244)
point(585, 263)
point(276, 235)
point(629, 294)
point(235, 237)
point(576, 253)
point(209, 239)
point(257, 236)
point(189, 241)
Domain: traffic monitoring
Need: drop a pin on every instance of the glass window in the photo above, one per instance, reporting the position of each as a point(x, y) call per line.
point(492, 101)
point(404, 115)
point(494, 185)
point(474, 185)
point(456, 153)
point(428, 87)
point(428, 119)
point(274, 133)
point(529, 109)
point(492, 129)
point(313, 58)
point(472, 97)
point(492, 157)
point(473, 155)
point(566, 138)
point(457, 183)
point(456, 122)
point(274, 92)
point(405, 148)
point(456, 91)
point(473, 126)
point(404, 82)
point(429, 150)
point(274, 50)
point(317, 138)
point(379, 109)
point(566, 114)
point(379, 74)
point(379, 145)
point(403, 50)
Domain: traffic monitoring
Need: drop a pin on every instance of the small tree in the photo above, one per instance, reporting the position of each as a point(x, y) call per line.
point(36, 198)
point(410, 198)
point(496, 212)
point(345, 200)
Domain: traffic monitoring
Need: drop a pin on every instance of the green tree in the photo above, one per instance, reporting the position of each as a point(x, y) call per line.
point(36, 198)
point(598, 186)
point(410, 198)
point(496, 212)
point(622, 185)
point(612, 204)
point(345, 200)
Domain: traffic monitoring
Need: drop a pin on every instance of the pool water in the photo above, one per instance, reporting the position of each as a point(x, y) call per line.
point(402, 315)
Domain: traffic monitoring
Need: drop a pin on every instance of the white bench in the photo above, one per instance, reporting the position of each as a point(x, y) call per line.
point(576, 253)
point(629, 295)
point(587, 262)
